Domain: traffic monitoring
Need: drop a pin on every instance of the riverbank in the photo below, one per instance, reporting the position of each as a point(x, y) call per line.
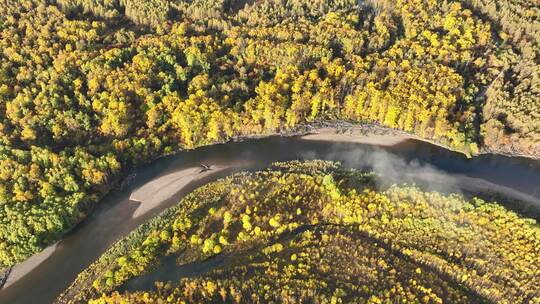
point(358, 135)
point(366, 133)
point(480, 186)
point(4, 275)
point(20, 270)
point(153, 193)
point(375, 134)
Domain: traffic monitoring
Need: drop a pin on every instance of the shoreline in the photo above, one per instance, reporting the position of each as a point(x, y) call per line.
point(20, 270)
point(356, 135)
point(4, 275)
point(367, 130)
point(155, 192)
point(480, 186)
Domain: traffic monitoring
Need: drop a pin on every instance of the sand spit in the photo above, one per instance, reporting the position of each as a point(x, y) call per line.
point(358, 135)
point(22, 269)
point(153, 193)
point(456, 183)
point(473, 184)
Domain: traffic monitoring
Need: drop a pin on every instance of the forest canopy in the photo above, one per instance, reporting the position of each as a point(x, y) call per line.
point(315, 232)
point(91, 88)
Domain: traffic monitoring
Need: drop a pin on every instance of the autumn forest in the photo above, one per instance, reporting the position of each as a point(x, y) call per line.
point(314, 232)
point(90, 89)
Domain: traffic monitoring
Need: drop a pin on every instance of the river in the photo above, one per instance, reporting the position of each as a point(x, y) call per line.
point(409, 161)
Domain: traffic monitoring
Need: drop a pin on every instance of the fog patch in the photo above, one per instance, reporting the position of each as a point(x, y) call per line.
point(392, 169)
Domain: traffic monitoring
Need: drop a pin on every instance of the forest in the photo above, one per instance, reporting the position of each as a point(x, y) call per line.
point(315, 232)
point(90, 89)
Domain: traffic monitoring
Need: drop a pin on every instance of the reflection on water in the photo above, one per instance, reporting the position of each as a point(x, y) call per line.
point(113, 218)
